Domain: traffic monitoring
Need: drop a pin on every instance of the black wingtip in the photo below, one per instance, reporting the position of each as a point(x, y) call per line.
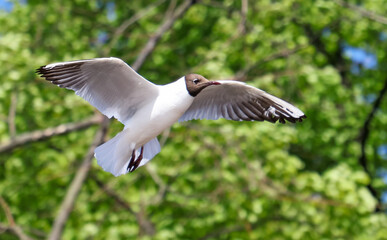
point(40, 70)
point(300, 119)
point(284, 120)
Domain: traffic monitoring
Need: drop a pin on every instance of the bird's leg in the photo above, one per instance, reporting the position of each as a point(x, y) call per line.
point(131, 161)
point(138, 160)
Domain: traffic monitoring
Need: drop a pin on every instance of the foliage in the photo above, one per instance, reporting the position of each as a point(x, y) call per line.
point(319, 179)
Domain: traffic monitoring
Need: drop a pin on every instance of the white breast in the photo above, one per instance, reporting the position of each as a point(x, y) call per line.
point(170, 104)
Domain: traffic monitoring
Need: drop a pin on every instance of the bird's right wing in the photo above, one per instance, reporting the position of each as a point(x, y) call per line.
point(238, 101)
point(109, 84)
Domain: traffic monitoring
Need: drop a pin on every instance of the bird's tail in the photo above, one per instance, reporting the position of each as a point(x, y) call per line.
point(114, 155)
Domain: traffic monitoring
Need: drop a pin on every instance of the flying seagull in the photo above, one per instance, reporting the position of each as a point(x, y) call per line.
point(146, 109)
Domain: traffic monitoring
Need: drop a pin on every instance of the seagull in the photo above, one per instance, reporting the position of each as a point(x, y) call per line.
point(147, 109)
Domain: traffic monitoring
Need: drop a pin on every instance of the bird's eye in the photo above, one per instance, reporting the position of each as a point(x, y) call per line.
point(196, 81)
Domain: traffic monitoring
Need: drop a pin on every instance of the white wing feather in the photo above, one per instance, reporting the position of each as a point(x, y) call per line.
point(109, 84)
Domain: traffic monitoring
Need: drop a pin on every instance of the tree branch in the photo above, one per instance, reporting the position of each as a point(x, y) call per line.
point(364, 12)
point(364, 134)
point(39, 135)
point(75, 187)
point(16, 230)
point(242, 23)
point(124, 25)
point(13, 227)
point(112, 194)
point(145, 225)
point(12, 114)
point(7, 211)
point(281, 54)
point(165, 26)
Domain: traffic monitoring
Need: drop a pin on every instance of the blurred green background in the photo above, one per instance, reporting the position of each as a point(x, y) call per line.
point(324, 178)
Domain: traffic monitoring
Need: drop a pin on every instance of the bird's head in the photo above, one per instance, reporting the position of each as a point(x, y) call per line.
point(196, 83)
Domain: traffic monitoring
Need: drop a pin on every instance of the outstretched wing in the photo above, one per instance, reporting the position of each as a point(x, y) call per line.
point(109, 84)
point(238, 101)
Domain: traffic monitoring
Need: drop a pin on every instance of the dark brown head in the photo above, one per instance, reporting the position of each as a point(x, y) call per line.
point(196, 83)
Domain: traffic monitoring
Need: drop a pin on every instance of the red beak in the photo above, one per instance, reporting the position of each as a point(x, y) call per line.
point(214, 83)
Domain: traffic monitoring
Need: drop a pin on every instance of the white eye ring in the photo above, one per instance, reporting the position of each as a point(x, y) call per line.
point(196, 81)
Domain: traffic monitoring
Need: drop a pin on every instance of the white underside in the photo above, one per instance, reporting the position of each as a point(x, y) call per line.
point(114, 155)
point(143, 128)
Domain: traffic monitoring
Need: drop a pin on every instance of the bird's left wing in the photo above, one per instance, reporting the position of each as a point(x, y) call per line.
point(109, 84)
point(238, 101)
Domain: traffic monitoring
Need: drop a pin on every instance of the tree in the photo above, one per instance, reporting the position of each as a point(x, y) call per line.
point(322, 178)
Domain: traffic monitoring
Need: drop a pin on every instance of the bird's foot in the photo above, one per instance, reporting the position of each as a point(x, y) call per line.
point(134, 163)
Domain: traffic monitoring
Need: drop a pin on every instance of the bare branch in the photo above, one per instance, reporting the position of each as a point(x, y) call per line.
point(145, 225)
point(112, 194)
point(281, 54)
point(16, 230)
point(75, 186)
point(12, 114)
point(364, 12)
point(13, 227)
point(7, 211)
point(165, 26)
point(39, 135)
point(171, 9)
point(121, 29)
point(157, 179)
point(242, 23)
point(364, 134)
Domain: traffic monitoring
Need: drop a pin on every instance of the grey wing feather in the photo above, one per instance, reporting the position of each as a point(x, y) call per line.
point(238, 101)
point(109, 84)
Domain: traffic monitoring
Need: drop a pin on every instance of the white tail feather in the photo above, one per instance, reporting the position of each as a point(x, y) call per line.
point(114, 155)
